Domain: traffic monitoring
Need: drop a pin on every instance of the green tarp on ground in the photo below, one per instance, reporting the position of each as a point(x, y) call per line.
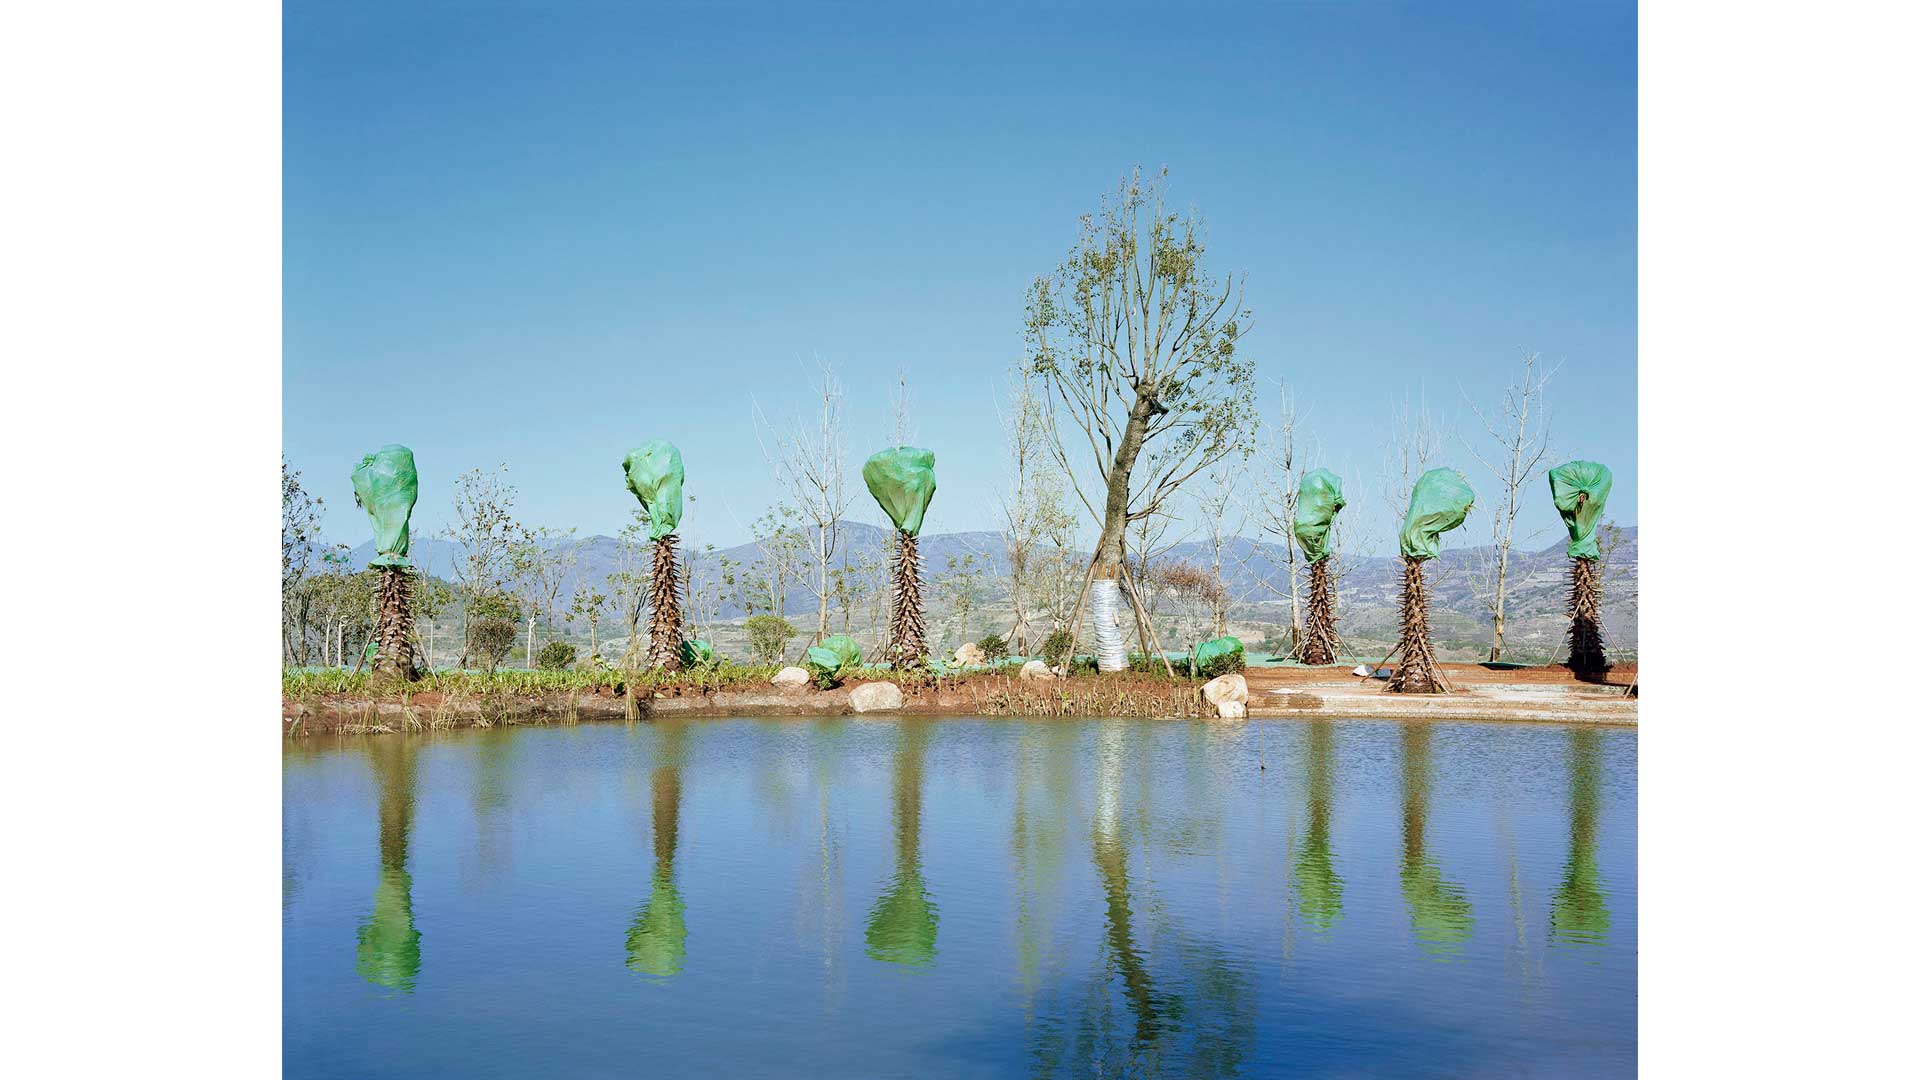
point(901, 481)
point(695, 652)
point(655, 477)
point(386, 485)
point(833, 658)
point(1320, 499)
point(1580, 494)
point(1207, 652)
point(1441, 499)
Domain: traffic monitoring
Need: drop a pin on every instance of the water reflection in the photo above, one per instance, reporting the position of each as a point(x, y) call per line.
point(1442, 917)
point(657, 940)
point(1318, 884)
point(389, 946)
point(905, 920)
point(1580, 905)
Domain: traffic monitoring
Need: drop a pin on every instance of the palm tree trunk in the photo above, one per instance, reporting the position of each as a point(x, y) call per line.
point(1323, 641)
point(1418, 671)
point(664, 618)
point(394, 652)
point(907, 622)
point(1586, 645)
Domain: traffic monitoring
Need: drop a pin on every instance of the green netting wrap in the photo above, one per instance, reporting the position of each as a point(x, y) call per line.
point(1580, 494)
point(1320, 499)
point(901, 480)
point(1440, 502)
point(386, 486)
point(694, 652)
point(655, 476)
point(389, 947)
point(832, 659)
point(1207, 653)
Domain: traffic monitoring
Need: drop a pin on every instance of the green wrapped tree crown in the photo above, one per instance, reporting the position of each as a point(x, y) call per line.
point(1570, 483)
point(389, 951)
point(901, 480)
point(657, 940)
point(1320, 499)
point(386, 486)
point(655, 476)
point(833, 658)
point(1440, 502)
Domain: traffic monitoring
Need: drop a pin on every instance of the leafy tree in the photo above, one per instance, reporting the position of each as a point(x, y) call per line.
point(557, 655)
point(299, 535)
point(993, 647)
point(589, 606)
point(1138, 346)
point(492, 621)
point(965, 586)
point(486, 531)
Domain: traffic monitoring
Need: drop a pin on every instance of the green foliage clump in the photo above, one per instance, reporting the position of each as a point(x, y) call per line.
point(697, 653)
point(556, 655)
point(993, 647)
point(767, 637)
point(1054, 649)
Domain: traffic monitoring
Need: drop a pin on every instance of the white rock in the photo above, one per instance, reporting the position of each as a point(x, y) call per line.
point(791, 676)
point(1232, 710)
point(876, 697)
point(1035, 669)
point(969, 655)
point(1226, 688)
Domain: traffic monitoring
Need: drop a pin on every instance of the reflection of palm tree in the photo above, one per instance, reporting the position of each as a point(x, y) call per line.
point(657, 940)
point(389, 950)
point(1580, 905)
point(905, 920)
point(1319, 885)
point(1442, 917)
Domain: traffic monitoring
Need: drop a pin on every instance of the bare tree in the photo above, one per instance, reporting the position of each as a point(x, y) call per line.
point(1031, 504)
point(1139, 348)
point(485, 530)
point(1519, 431)
point(543, 562)
point(809, 459)
point(299, 538)
point(1414, 441)
point(1222, 518)
point(1275, 497)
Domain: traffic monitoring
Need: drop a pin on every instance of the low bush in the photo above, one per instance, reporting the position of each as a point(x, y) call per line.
point(1054, 649)
point(556, 655)
point(767, 637)
point(993, 647)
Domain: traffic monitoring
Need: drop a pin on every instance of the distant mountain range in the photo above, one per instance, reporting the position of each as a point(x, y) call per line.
point(1255, 574)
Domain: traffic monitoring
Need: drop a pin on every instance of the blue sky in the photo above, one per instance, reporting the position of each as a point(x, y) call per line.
point(541, 234)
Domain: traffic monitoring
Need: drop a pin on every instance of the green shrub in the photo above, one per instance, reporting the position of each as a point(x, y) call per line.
point(1219, 657)
point(993, 647)
point(556, 656)
point(767, 637)
point(1054, 649)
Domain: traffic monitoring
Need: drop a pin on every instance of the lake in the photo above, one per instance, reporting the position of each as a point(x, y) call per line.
point(915, 898)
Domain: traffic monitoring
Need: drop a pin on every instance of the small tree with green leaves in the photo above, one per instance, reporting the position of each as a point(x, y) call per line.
point(767, 637)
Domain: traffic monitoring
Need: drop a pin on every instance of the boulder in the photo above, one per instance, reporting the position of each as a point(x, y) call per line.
point(969, 655)
point(791, 676)
point(1035, 670)
point(1232, 710)
point(1226, 688)
point(876, 697)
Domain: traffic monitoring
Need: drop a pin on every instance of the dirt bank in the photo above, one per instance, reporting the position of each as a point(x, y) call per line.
point(1479, 693)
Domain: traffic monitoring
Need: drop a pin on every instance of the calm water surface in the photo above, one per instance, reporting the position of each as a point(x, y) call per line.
point(856, 898)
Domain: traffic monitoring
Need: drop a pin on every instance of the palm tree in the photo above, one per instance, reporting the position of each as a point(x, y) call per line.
point(901, 481)
point(386, 485)
point(1580, 494)
point(657, 940)
point(656, 477)
point(1319, 500)
point(389, 945)
point(1440, 501)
